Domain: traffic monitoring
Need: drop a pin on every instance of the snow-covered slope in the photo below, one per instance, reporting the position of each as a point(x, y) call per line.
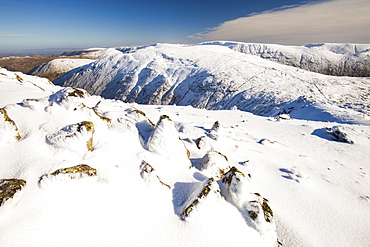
point(15, 86)
point(329, 59)
point(93, 53)
point(58, 67)
point(216, 77)
point(79, 170)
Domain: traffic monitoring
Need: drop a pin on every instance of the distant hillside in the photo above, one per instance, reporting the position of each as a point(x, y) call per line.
point(39, 65)
point(57, 67)
point(23, 64)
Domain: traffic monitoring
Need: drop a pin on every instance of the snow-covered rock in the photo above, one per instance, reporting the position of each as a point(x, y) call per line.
point(8, 187)
point(8, 129)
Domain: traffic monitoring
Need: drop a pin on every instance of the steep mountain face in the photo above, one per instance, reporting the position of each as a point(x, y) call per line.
point(330, 59)
point(216, 77)
point(58, 67)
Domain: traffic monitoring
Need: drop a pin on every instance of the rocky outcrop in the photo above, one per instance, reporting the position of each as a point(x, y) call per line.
point(8, 129)
point(74, 172)
point(194, 200)
point(340, 134)
point(215, 163)
point(256, 210)
point(165, 140)
point(8, 188)
point(75, 137)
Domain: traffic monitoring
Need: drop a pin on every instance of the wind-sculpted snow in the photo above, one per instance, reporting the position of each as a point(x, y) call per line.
point(83, 150)
point(89, 171)
point(215, 77)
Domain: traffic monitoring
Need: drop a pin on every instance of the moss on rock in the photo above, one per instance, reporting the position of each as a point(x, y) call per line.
point(108, 120)
point(8, 187)
point(267, 212)
point(257, 205)
point(7, 119)
point(143, 114)
point(78, 171)
point(89, 126)
point(204, 192)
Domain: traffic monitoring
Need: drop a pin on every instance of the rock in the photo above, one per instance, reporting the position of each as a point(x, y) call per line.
point(8, 128)
point(144, 115)
point(216, 130)
point(340, 135)
point(148, 174)
point(76, 137)
point(194, 201)
point(215, 163)
point(75, 172)
point(8, 187)
point(202, 143)
point(165, 140)
point(237, 190)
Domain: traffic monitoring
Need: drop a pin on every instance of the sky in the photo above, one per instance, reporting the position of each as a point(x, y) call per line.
point(42, 24)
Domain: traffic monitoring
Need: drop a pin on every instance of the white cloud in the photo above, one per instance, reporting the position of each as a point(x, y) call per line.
point(336, 21)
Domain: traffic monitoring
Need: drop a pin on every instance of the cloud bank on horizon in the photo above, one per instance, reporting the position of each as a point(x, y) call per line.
point(334, 21)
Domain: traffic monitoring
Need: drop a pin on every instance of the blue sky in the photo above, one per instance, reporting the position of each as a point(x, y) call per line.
point(95, 23)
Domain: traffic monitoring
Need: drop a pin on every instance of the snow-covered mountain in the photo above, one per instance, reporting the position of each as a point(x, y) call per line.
point(92, 53)
point(58, 67)
point(217, 77)
point(70, 60)
point(80, 170)
point(330, 59)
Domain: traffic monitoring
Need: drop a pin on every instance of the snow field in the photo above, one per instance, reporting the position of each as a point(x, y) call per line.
point(316, 186)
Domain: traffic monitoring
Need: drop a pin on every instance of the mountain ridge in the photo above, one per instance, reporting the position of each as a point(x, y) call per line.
point(216, 77)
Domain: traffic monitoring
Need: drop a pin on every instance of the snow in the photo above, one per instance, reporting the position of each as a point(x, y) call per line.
point(316, 186)
point(93, 53)
point(59, 66)
point(213, 76)
point(326, 58)
point(17, 86)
